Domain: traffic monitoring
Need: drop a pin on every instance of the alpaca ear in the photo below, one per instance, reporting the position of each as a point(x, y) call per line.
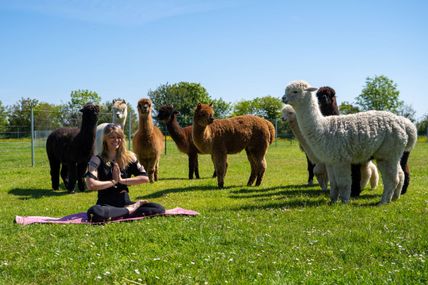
point(311, 89)
point(177, 113)
point(211, 104)
point(124, 102)
point(199, 106)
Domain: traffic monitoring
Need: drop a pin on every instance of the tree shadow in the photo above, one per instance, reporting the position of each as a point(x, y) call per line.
point(165, 192)
point(26, 193)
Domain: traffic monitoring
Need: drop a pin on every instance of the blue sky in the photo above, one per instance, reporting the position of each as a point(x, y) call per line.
point(239, 49)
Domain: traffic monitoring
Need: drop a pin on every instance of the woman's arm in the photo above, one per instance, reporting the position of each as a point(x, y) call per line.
point(139, 179)
point(91, 177)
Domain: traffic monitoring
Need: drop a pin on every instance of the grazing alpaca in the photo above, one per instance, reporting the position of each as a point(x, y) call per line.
point(120, 112)
point(148, 142)
point(227, 136)
point(72, 147)
point(356, 138)
point(181, 136)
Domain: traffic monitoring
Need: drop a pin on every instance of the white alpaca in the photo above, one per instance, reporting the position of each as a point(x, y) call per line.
point(120, 112)
point(320, 171)
point(370, 174)
point(339, 141)
point(368, 170)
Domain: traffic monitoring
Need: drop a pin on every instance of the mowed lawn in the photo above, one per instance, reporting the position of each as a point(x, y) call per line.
point(282, 232)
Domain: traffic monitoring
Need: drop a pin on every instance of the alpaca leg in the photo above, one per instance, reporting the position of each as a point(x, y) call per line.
point(374, 176)
point(334, 191)
point(54, 166)
point(64, 174)
point(196, 166)
point(220, 163)
point(356, 180)
point(401, 181)
point(342, 175)
point(390, 178)
point(81, 168)
point(320, 173)
point(253, 166)
point(72, 177)
point(405, 167)
point(261, 167)
point(310, 168)
point(155, 173)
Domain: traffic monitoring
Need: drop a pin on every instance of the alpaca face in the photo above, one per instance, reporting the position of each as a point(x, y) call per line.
point(90, 110)
point(165, 113)
point(144, 107)
point(288, 113)
point(204, 115)
point(120, 109)
point(326, 96)
point(296, 92)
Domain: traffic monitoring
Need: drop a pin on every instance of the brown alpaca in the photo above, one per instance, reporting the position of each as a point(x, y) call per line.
point(181, 136)
point(227, 136)
point(148, 142)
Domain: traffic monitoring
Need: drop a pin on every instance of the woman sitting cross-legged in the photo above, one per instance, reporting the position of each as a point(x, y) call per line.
point(110, 174)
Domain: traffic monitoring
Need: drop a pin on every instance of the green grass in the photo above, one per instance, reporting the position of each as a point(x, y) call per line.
point(280, 233)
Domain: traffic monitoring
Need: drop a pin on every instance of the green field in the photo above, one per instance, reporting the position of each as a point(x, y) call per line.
point(283, 232)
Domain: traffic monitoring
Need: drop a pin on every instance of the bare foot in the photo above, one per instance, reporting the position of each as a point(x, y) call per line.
point(133, 207)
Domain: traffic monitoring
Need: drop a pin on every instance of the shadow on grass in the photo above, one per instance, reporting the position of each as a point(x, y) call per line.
point(164, 192)
point(184, 178)
point(28, 193)
point(294, 196)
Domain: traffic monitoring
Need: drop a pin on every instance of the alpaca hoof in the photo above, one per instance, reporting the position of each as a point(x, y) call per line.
point(220, 185)
point(310, 183)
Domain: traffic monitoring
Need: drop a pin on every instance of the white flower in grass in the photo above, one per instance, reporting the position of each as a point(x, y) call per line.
point(107, 273)
point(137, 271)
point(98, 277)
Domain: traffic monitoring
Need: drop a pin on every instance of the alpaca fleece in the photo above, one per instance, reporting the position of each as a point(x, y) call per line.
point(339, 141)
point(72, 148)
point(228, 136)
point(148, 142)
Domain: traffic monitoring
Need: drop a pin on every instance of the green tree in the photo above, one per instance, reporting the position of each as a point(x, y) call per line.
point(20, 116)
point(184, 96)
point(347, 108)
point(267, 107)
point(422, 126)
point(3, 118)
point(407, 111)
point(222, 108)
point(380, 93)
point(78, 98)
point(47, 116)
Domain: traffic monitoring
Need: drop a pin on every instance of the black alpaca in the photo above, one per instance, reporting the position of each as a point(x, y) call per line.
point(72, 147)
point(181, 136)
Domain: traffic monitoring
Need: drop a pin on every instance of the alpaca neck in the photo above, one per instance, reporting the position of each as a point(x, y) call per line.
point(146, 123)
point(176, 131)
point(202, 138)
point(296, 131)
point(310, 120)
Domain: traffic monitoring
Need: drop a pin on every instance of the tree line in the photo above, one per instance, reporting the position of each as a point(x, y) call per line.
point(379, 93)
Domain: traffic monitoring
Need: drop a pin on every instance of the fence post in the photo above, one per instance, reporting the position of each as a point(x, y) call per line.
point(129, 129)
point(32, 138)
point(276, 131)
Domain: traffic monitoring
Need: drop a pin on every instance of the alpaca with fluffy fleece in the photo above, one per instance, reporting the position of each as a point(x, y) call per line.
point(148, 142)
point(71, 148)
point(339, 141)
point(120, 112)
point(221, 137)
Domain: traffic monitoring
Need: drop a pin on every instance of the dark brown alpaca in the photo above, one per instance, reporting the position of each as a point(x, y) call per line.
point(148, 142)
point(228, 136)
point(72, 147)
point(181, 136)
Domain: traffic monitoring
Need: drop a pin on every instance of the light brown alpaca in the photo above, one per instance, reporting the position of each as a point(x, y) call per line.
point(227, 136)
point(148, 142)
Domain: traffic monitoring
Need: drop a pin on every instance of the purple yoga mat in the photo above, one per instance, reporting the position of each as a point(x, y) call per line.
point(81, 218)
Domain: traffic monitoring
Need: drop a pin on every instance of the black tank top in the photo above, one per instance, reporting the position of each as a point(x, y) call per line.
point(112, 196)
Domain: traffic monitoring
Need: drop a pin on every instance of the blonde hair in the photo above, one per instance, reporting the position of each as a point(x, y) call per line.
point(123, 156)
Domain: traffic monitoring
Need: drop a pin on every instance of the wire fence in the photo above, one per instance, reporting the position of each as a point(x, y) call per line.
point(28, 143)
